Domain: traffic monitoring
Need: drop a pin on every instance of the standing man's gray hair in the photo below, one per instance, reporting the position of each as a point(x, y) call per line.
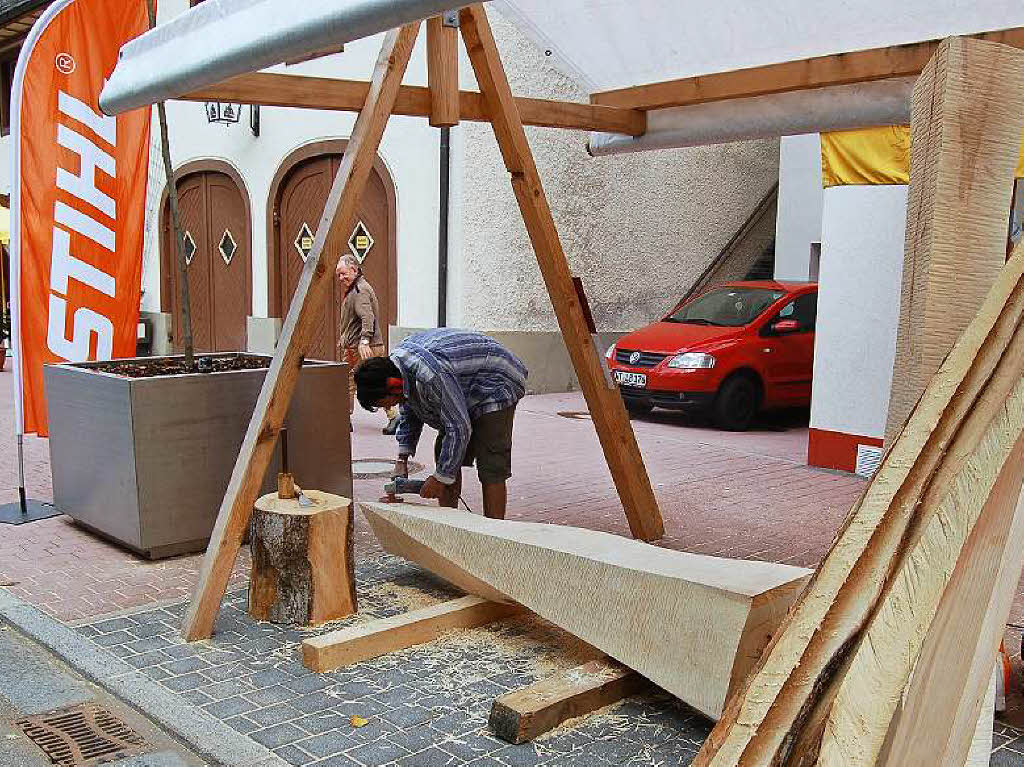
point(349, 260)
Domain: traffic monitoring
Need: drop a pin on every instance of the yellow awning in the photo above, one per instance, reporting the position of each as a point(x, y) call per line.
point(871, 156)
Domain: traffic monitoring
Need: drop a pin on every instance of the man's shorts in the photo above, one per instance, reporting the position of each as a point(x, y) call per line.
point(490, 445)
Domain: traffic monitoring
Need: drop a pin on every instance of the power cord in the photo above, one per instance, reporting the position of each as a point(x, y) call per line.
point(466, 505)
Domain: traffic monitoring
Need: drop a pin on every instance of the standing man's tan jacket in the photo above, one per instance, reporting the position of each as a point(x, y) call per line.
point(359, 327)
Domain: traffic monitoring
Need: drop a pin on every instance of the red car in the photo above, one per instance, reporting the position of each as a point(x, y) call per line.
point(733, 350)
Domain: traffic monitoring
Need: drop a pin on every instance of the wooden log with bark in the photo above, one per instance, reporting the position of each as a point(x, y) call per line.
point(302, 561)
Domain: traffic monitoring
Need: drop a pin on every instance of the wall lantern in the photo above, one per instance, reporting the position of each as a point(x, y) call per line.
point(229, 113)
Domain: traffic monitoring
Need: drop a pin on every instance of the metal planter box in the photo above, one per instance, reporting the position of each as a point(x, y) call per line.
point(145, 461)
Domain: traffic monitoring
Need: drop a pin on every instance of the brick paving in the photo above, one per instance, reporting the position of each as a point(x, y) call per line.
point(738, 495)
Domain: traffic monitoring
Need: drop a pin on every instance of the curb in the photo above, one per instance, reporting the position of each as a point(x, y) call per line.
point(207, 736)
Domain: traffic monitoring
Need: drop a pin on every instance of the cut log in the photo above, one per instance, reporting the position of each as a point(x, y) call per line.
point(693, 624)
point(370, 640)
point(302, 564)
point(524, 714)
point(966, 122)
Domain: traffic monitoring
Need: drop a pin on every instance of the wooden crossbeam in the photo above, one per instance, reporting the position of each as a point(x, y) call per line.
point(526, 713)
point(818, 72)
point(297, 333)
point(371, 640)
point(443, 72)
point(603, 400)
point(276, 90)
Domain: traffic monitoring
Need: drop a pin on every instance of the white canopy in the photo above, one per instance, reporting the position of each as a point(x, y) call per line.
point(611, 44)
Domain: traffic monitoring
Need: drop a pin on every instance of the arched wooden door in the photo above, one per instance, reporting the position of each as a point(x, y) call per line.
point(301, 199)
point(216, 223)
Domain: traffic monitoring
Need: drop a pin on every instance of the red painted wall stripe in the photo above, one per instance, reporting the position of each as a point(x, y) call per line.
point(836, 449)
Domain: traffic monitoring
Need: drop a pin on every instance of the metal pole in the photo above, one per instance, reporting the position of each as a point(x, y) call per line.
point(21, 475)
point(442, 230)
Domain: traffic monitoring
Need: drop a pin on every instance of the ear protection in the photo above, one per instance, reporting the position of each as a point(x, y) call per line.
point(395, 385)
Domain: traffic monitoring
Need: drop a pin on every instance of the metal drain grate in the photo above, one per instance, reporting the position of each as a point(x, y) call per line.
point(82, 735)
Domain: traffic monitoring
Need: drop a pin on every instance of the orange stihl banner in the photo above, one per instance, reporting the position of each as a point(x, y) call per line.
point(78, 197)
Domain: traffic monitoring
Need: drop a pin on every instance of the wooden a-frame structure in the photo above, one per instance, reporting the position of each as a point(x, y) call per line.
point(383, 96)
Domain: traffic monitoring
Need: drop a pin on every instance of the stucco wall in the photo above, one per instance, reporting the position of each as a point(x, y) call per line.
point(800, 201)
point(858, 307)
point(637, 228)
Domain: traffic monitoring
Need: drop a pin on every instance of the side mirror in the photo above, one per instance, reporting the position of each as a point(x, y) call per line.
point(785, 326)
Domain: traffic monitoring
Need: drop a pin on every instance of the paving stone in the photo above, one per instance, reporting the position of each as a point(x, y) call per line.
point(379, 751)
point(1005, 758)
point(431, 757)
point(113, 638)
point(406, 716)
point(147, 659)
point(186, 682)
point(241, 724)
point(278, 735)
point(113, 624)
point(274, 715)
point(227, 689)
point(158, 759)
point(294, 755)
point(186, 665)
point(268, 696)
point(224, 709)
point(310, 683)
point(316, 724)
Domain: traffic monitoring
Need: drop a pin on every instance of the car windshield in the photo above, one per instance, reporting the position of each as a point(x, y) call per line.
point(726, 307)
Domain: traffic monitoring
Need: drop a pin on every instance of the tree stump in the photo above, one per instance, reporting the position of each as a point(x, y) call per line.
point(302, 563)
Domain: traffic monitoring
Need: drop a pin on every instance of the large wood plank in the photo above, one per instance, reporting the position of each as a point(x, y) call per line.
point(277, 90)
point(603, 400)
point(934, 725)
point(693, 624)
point(818, 72)
point(371, 640)
point(941, 468)
point(524, 714)
point(967, 117)
point(296, 335)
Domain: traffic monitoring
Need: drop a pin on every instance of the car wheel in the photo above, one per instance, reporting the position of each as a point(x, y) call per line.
point(638, 408)
point(736, 404)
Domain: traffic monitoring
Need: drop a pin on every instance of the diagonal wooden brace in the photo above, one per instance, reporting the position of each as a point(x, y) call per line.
point(606, 408)
point(296, 335)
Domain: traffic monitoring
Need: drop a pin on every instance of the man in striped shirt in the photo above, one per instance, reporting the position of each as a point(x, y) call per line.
point(466, 386)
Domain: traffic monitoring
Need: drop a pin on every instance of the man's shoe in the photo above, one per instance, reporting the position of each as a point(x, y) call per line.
point(391, 428)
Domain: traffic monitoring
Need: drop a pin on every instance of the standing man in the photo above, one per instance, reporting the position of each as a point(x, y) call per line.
point(359, 333)
point(466, 386)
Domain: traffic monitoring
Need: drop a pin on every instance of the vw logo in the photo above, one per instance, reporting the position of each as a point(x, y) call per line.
point(634, 358)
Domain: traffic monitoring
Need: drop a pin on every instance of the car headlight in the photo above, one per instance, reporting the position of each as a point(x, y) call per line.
point(692, 361)
point(611, 352)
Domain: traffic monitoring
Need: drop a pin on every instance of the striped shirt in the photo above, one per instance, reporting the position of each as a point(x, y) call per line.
point(450, 378)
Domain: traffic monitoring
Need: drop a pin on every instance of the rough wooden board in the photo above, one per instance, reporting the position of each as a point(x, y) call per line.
point(301, 323)
point(302, 564)
point(443, 73)
point(760, 723)
point(690, 623)
point(304, 92)
point(981, 745)
point(967, 117)
point(522, 715)
point(604, 402)
point(818, 72)
point(934, 726)
point(371, 640)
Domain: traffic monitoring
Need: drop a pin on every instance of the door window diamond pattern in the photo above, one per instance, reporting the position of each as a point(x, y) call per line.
point(227, 247)
point(304, 241)
point(360, 242)
point(189, 245)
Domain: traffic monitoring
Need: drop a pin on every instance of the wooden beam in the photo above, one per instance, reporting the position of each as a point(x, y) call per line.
point(934, 726)
point(443, 72)
point(603, 400)
point(693, 624)
point(818, 72)
point(296, 336)
point(936, 476)
point(371, 640)
point(524, 714)
point(966, 119)
point(276, 90)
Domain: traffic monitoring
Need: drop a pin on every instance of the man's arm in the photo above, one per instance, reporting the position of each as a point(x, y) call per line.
point(455, 424)
point(368, 322)
point(408, 434)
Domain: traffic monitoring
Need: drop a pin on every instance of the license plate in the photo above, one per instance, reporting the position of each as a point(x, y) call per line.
point(631, 379)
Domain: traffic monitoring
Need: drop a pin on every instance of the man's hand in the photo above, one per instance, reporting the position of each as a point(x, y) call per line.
point(432, 488)
point(365, 351)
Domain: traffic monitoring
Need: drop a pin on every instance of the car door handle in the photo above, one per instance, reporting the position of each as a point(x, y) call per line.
point(767, 350)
